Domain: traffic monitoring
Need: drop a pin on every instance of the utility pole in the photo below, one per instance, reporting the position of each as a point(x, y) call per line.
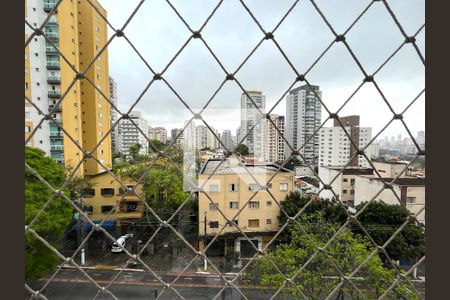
point(205, 266)
point(81, 232)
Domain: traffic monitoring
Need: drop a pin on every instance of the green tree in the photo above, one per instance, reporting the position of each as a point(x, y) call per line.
point(39, 260)
point(381, 220)
point(294, 202)
point(321, 276)
point(293, 162)
point(155, 146)
point(134, 152)
point(242, 149)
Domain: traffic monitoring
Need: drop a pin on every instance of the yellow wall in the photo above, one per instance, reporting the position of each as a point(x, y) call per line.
point(95, 109)
point(224, 196)
point(71, 111)
point(105, 180)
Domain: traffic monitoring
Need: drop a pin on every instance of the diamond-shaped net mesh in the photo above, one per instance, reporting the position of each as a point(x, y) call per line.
point(340, 275)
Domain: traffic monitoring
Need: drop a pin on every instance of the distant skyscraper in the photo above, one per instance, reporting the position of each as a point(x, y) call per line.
point(173, 135)
point(160, 134)
point(227, 139)
point(204, 138)
point(274, 139)
point(113, 112)
point(304, 113)
point(249, 122)
point(420, 139)
point(336, 149)
point(129, 135)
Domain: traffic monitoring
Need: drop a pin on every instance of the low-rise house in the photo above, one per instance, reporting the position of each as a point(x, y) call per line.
point(106, 192)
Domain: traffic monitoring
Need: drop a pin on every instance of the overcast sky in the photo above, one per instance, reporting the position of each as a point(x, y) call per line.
point(158, 34)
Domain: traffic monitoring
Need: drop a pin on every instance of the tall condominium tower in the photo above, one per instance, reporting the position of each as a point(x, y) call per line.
point(249, 122)
point(113, 112)
point(303, 117)
point(227, 139)
point(274, 140)
point(128, 134)
point(78, 31)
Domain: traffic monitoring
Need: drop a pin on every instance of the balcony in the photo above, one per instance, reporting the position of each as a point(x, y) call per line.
point(54, 93)
point(56, 121)
point(56, 147)
point(54, 79)
point(51, 50)
point(56, 107)
point(56, 135)
point(49, 5)
point(52, 34)
point(53, 65)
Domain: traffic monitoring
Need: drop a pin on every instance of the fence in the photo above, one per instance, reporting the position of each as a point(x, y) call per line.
point(267, 36)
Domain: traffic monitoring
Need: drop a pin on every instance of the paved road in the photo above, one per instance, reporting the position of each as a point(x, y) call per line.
point(72, 284)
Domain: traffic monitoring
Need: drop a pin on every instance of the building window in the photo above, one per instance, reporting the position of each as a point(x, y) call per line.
point(253, 223)
point(253, 204)
point(410, 200)
point(269, 221)
point(352, 192)
point(107, 208)
point(231, 224)
point(107, 192)
point(269, 202)
point(234, 205)
point(352, 181)
point(234, 187)
point(253, 187)
point(88, 192)
point(283, 187)
point(27, 129)
point(214, 188)
point(344, 191)
point(212, 207)
point(214, 224)
point(345, 180)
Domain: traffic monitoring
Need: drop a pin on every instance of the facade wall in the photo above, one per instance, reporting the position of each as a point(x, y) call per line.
point(249, 118)
point(93, 36)
point(105, 180)
point(224, 196)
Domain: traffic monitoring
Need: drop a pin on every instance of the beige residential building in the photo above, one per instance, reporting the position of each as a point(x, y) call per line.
point(230, 186)
point(410, 192)
point(106, 192)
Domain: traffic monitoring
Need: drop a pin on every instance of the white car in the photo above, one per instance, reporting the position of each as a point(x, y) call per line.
point(121, 241)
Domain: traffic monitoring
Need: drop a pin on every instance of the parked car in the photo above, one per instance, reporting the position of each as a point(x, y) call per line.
point(121, 241)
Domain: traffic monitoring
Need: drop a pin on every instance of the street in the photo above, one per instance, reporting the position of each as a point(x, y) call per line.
point(72, 284)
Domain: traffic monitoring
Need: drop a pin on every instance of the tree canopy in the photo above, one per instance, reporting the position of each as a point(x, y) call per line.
point(242, 149)
point(320, 276)
point(39, 260)
point(380, 220)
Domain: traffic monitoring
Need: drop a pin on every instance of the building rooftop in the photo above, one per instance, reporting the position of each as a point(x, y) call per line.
point(403, 181)
point(233, 165)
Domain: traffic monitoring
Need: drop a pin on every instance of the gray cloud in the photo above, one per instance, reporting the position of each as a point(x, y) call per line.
point(158, 33)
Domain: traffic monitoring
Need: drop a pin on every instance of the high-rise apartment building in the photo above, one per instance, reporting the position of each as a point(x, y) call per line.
point(78, 31)
point(274, 139)
point(174, 134)
point(160, 134)
point(204, 138)
point(129, 134)
point(113, 112)
point(251, 127)
point(227, 139)
point(303, 117)
point(336, 148)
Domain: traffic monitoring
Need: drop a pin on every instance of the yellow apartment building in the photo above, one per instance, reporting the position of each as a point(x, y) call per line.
point(230, 186)
point(106, 192)
point(78, 31)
